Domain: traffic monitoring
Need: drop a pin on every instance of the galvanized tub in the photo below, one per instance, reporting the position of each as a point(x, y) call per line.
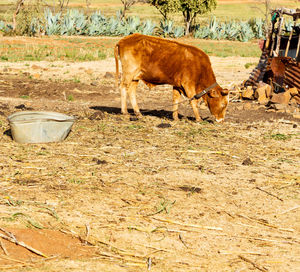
point(40, 126)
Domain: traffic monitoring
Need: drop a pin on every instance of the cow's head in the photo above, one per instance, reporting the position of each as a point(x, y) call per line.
point(217, 100)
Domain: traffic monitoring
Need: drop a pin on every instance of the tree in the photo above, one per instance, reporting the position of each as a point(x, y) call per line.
point(265, 11)
point(165, 7)
point(191, 8)
point(128, 3)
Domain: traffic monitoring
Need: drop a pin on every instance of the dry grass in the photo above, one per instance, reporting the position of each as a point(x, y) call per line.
point(180, 195)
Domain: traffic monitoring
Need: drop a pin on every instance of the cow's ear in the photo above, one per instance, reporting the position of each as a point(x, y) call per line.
point(224, 92)
point(213, 93)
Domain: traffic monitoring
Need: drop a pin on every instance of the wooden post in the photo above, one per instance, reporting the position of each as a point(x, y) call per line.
point(289, 41)
point(272, 39)
point(298, 47)
point(279, 29)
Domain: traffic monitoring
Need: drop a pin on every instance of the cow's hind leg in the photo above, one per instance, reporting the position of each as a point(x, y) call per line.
point(132, 95)
point(123, 90)
point(176, 98)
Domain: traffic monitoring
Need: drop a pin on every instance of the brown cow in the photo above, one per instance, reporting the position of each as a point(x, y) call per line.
point(159, 61)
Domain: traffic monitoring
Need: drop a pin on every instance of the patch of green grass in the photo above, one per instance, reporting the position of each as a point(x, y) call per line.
point(134, 127)
point(70, 97)
point(24, 96)
point(76, 181)
point(76, 80)
point(279, 137)
point(249, 64)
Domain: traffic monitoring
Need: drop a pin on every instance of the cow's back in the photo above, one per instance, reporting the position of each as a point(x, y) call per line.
point(163, 61)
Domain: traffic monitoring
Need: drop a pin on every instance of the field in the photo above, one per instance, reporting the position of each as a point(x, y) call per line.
point(149, 194)
point(226, 9)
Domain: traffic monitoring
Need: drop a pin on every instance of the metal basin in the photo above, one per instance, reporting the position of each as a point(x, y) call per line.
point(40, 126)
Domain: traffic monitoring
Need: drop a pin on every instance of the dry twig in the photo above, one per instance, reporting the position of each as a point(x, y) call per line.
point(3, 248)
point(15, 260)
point(253, 263)
point(12, 239)
point(258, 188)
point(187, 225)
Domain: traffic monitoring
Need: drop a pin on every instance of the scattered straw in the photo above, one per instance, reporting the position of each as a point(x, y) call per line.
point(253, 263)
point(3, 248)
point(291, 209)
point(187, 225)
point(262, 190)
point(11, 238)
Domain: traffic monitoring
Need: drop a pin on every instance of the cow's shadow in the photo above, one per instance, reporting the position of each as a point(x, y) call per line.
point(145, 112)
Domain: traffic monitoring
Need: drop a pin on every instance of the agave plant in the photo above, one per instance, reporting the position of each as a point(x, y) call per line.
point(148, 27)
point(52, 26)
point(258, 27)
point(35, 27)
point(166, 27)
point(74, 22)
point(96, 25)
point(245, 33)
point(178, 31)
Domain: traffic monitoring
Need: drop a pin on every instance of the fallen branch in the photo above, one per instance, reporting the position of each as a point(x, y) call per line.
point(253, 263)
point(258, 188)
point(12, 239)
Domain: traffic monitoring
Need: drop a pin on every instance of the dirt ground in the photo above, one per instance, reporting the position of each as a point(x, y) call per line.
point(121, 194)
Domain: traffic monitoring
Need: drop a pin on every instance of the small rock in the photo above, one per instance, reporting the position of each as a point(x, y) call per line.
point(297, 116)
point(164, 125)
point(36, 67)
point(247, 162)
point(281, 98)
point(36, 76)
point(20, 107)
point(260, 95)
point(97, 161)
point(109, 75)
point(99, 115)
point(75, 90)
point(89, 71)
point(94, 83)
point(133, 119)
point(295, 100)
point(269, 91)
point(248, 93)
point(294, 91)
point(279, 107)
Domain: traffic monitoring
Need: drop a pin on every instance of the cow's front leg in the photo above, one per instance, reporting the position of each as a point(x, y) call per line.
point(194, 105)
point(176, 98)
point(132, 95)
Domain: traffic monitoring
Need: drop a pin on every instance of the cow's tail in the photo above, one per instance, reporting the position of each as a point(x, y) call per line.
point(116, 52)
